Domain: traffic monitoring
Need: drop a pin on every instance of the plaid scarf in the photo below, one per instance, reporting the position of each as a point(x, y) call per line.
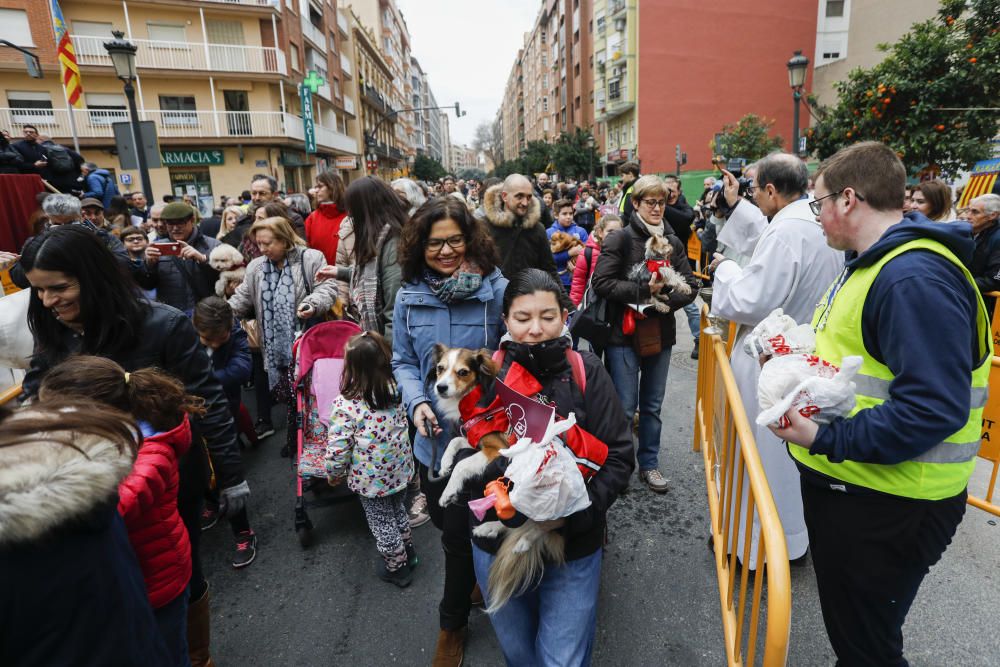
point(459, 286)
point(366, 290)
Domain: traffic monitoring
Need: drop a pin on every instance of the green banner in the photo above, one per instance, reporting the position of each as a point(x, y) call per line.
point(192, 158)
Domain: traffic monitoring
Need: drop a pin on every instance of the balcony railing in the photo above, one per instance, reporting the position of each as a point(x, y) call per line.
point(252, 3)
point(314, 34)
point(345, 65)
point(616, 6)
point(157, 54)
point(96, 124)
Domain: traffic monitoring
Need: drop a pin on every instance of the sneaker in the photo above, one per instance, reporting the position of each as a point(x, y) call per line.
point(246, 548)
point(417, 513)
point(694, 352)
point(263, 429)
point(411, 557)
point(654, 480)
point(209, 517)
point(401, 577)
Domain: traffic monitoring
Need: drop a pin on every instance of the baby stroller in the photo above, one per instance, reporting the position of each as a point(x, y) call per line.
point(317, 364)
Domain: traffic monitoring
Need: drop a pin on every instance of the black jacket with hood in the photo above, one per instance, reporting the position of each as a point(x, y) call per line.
point(522, 243)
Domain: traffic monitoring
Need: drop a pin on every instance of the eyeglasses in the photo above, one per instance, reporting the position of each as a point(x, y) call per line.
point(653, 203)
point(454, 242)
point(816, 205)
point(175, 223)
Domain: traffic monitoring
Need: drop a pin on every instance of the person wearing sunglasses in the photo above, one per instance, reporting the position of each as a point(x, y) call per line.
point(884, 487)
point(790, 268)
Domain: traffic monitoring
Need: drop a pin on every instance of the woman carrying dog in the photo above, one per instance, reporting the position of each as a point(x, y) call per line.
point(553, 622)
point(639, 358)
point(451, 294)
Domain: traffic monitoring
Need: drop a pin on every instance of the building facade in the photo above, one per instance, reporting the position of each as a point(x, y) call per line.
point(218, 79)
point(616, 52)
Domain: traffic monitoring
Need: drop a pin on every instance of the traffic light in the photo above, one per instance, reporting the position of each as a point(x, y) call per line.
point(458, 111)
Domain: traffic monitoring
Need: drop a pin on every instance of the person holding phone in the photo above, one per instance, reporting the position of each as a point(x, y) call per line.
point(176, 266)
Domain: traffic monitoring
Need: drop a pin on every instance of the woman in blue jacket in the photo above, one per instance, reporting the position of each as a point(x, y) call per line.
point(452, 293)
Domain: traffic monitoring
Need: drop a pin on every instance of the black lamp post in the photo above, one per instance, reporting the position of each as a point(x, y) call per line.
point(123, 58)
point(797, 68)
point(591, 144)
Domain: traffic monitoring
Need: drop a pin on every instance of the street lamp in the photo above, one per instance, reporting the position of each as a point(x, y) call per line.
point(797, 68)
point(122, 55)
point(591, 144)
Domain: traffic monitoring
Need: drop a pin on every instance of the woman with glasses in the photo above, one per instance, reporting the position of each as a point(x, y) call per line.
point(638, 355)
point(452, 294)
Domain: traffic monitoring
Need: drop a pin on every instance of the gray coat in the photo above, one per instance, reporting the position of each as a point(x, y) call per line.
point(248, 303)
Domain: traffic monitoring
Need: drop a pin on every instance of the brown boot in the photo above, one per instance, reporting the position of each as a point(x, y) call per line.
point(198, 632)
point(450, 648)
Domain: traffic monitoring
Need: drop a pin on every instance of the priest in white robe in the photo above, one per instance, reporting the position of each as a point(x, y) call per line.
point(791, 267)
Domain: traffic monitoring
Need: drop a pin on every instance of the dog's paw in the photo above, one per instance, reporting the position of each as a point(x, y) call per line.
point(523, 545)
point(448, 498)
point(661, 306)
point(489, 530)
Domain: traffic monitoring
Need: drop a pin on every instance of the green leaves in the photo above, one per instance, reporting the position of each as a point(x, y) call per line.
point(748, 138)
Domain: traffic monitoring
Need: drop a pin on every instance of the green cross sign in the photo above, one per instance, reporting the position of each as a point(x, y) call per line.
point(313, 81)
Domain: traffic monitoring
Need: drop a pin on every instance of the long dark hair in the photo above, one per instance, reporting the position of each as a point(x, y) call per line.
point(529, 281)
point(62, 421)
point(148, 393)
point(479, 247)
point(332, 180)
point(368, 371)
point(112, 314)
point(371, 203)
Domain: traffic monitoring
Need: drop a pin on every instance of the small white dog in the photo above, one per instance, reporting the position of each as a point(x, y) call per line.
point(228, 261)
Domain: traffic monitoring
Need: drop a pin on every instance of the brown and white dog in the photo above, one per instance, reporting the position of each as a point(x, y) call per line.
point(522, 555)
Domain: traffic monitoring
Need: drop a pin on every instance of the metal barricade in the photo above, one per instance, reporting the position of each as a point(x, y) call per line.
point(8, 395)
point(732, 468)
point(989, 448)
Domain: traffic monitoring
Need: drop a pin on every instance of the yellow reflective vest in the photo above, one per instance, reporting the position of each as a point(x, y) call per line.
point(941, 472)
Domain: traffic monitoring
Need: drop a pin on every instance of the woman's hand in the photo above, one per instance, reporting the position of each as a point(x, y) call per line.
point(327, 272)
point(423, 414)
point(305, 311)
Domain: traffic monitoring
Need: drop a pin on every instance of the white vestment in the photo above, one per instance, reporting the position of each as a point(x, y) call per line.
point(791, 268)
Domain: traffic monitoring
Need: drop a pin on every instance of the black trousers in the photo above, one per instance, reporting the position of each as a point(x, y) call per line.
point(871, 551)
point(459, 573)
point(260, 387)
point(194, 479)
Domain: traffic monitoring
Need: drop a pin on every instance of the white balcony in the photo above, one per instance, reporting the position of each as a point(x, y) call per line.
point(325, 92)
point(345, 65)
point(154, 54)
point(314, 34)
point(325, 137)
point(251, 3)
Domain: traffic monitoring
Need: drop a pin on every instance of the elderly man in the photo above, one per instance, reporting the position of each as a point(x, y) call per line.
point(790, 268)
point(884, 487)
point(140, 208)
point(984, 212)
point(541, 184)
point(153, 226)
point(93, 212)
point(518, 222)
point(264, 189)
point(182, 279)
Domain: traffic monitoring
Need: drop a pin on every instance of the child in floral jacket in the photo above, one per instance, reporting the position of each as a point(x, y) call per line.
point(368, 445)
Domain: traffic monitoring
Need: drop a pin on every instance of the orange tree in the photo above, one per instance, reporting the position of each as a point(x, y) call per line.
point(748, 138)
point(932, 98)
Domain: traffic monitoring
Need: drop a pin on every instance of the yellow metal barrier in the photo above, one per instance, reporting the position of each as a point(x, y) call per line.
point(732, 467)
point(989, 448)
point(8, 395)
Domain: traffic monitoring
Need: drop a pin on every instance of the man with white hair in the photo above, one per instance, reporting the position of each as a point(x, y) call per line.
point(984, 214)
point(517, 222)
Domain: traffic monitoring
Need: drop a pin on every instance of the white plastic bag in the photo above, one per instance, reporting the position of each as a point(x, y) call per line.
point(547, 483)
point(16, 342)
point(777, 335)
point(817, 389)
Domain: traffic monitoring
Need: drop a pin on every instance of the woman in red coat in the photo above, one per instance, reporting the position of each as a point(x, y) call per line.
point(323, 224)
point(148, 495)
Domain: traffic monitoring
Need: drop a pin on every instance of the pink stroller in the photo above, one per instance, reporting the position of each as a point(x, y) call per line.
point(318, 362)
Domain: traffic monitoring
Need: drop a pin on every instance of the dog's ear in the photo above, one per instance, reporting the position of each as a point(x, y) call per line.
point(485, 364)
point(438, 352)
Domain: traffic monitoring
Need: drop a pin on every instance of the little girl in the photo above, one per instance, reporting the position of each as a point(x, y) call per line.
point(148, 495)
point(368, 444)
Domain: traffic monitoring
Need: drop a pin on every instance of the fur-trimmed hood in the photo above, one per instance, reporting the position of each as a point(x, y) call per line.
point(499, 216)
point(45, 484)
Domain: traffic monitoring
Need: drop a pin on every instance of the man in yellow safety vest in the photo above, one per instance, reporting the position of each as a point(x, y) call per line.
point(884, 488)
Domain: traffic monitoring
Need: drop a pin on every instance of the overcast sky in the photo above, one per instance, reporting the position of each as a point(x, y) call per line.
point(467, 48)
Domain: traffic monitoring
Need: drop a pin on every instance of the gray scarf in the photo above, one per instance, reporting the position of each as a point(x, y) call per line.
point(366, 289)
point(278, 297)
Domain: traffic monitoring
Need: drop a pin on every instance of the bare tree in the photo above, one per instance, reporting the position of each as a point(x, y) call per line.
point(486, 142)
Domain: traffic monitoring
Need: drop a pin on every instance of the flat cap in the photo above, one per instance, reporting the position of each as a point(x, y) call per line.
point(90, 201)
point(176, 211)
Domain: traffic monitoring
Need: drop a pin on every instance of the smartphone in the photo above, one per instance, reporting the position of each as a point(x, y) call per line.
point(173, 248)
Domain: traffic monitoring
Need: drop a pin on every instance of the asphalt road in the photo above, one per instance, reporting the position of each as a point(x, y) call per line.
point(659, 600)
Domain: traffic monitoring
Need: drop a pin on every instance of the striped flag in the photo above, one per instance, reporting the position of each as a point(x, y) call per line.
point(984, 176)
point(67, 58)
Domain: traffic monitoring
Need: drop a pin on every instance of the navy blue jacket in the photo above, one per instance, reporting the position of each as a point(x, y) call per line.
point(100, 184)
point(233, 365)
point(919, 320)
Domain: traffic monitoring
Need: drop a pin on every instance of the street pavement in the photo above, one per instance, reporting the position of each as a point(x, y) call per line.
point(659, 602)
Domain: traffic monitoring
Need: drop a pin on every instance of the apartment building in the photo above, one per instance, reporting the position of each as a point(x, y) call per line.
point(218, 78)
point(615, 81)
point(433, 122)
point(462, 158)
point(512, 112)
point(445, 140)
point(848, 33)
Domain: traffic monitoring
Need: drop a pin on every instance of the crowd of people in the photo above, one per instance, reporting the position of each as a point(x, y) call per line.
point(152, 325)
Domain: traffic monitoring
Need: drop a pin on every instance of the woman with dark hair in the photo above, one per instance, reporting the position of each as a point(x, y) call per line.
point(451, 294)
point(73, 592)
point(366, 256)
point(553, 622)
point(82, 302)
point(323, 224)
point(933, 199)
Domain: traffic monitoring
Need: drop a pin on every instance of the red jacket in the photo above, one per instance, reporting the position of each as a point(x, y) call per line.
point(148, 503)
point(322, 229)
point(584, 270)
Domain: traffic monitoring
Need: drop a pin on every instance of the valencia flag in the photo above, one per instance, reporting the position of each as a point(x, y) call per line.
point(67, 58)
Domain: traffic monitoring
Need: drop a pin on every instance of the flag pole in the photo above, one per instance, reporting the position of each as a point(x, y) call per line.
point(72, 120)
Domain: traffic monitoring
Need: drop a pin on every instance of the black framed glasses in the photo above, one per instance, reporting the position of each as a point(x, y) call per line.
point(654, 203)
point(816, 205)
point(455, 242)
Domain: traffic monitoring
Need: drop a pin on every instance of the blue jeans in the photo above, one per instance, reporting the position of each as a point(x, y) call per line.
point(171, 618)
point(693, 313)
point(553, 623)
point(641, 383)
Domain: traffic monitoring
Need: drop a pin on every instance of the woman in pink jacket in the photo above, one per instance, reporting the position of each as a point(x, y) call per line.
point(148, 495)
point(588, 260)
